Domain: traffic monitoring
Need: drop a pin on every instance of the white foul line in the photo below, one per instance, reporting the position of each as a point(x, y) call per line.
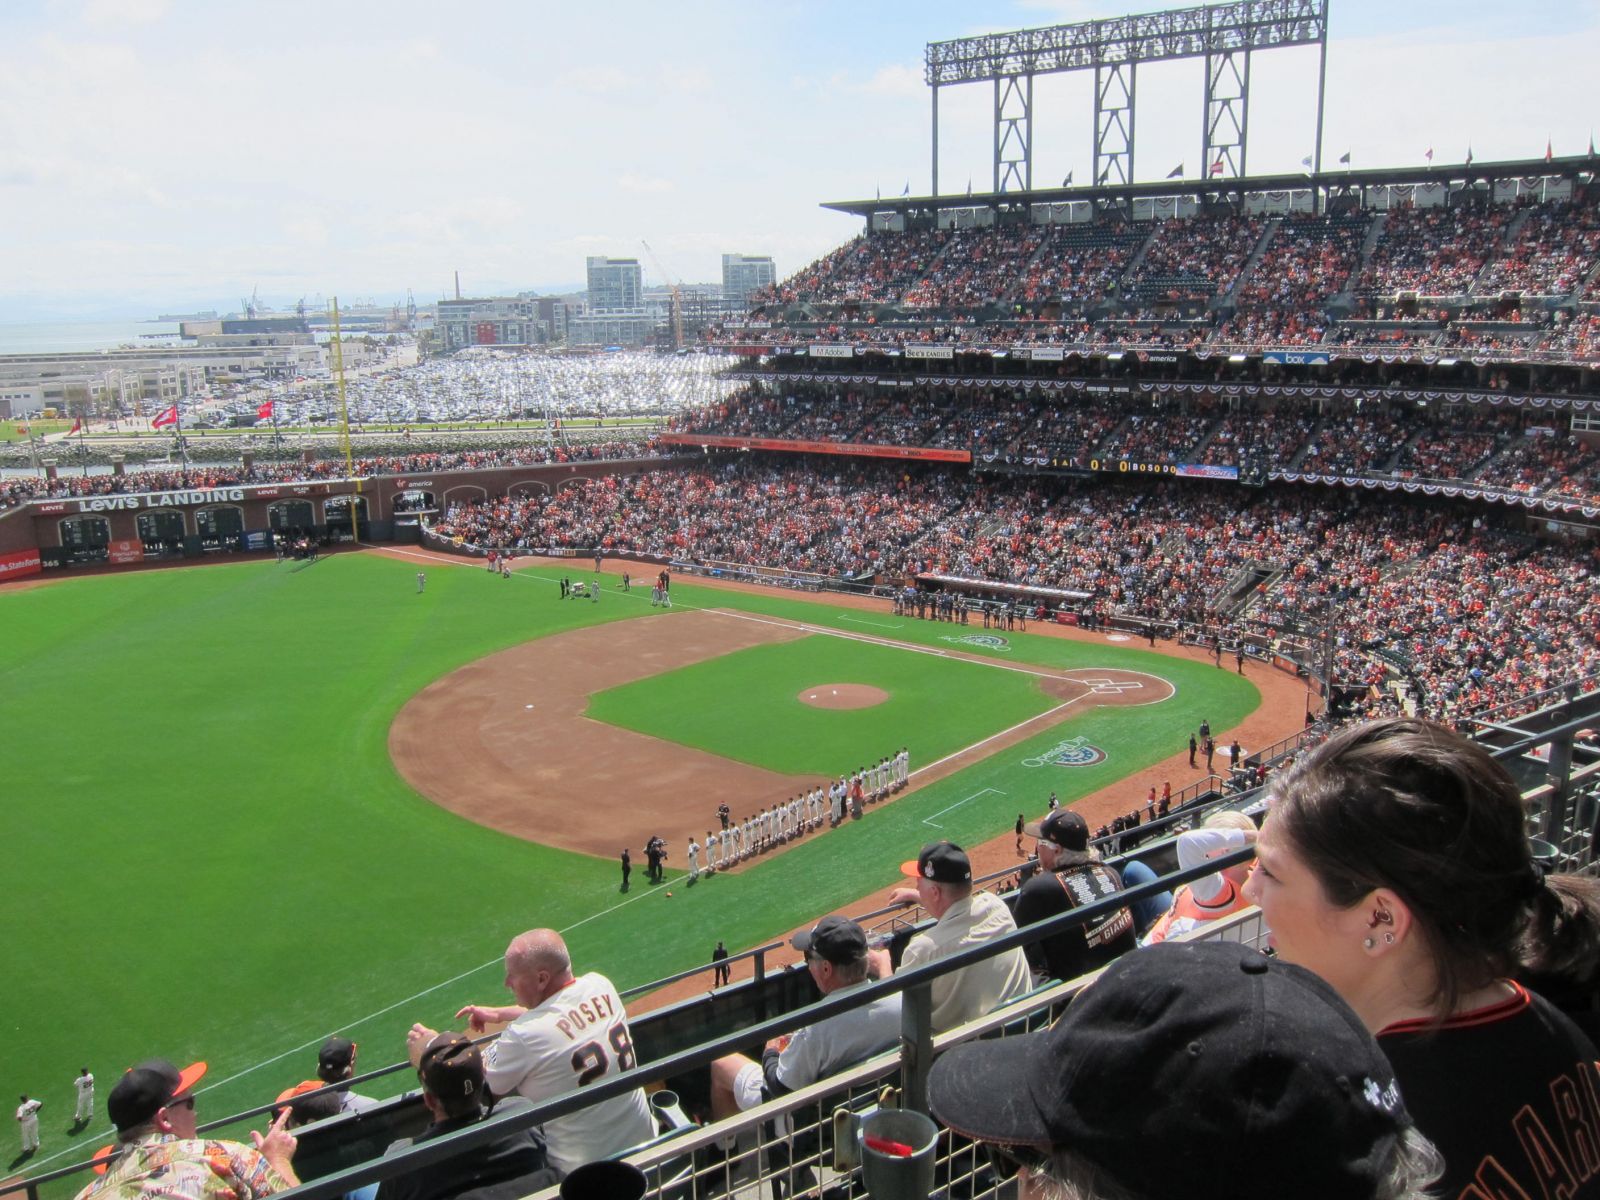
point(928, 820)
point(359, 1021)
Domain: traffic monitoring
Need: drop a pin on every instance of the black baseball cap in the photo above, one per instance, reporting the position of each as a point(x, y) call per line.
point(451, 1066)
point(334, 1059)
point(1181, 1062)
point(838, 939)
point(1066, 828)
point(942, 862)
point(146, 1089)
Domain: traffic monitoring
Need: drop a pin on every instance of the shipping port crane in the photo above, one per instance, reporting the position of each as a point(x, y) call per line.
point(677, 296)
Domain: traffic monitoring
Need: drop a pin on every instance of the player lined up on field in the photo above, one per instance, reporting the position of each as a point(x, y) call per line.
point(844, 798)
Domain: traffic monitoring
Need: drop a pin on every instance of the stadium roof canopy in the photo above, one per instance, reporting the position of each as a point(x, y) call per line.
point(1218, 191)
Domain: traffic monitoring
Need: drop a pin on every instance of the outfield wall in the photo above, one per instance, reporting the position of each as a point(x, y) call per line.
point(108, 530)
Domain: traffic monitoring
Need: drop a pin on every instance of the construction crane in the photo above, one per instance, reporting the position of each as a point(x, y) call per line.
point(677, 296)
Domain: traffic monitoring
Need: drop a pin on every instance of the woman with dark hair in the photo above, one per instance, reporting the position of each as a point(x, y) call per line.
point(1394, 863)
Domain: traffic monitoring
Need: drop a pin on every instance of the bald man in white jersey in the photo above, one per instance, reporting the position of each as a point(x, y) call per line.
point(564, 1032)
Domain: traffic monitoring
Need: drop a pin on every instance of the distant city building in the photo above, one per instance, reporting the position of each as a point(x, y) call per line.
point(160, 375)
point(17, 400)
point(521, 320)
point(612, 328)
point(615, 285)
point(742, 275)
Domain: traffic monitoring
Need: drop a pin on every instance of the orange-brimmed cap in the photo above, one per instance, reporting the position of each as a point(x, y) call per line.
point(146, 1089)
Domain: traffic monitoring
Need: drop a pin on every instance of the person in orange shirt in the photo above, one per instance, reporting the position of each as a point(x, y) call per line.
point(1212, 896)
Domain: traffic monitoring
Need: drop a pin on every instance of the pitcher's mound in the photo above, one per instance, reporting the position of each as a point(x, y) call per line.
point(843, 695)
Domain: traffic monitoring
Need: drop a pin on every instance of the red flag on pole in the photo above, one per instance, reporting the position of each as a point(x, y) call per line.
point(1216, 167)
point(77, 427)
point(1549, 150)
point(264, 413)
point(167, 416)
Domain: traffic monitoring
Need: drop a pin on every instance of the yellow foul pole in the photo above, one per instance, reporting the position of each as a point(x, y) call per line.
point(344, 417)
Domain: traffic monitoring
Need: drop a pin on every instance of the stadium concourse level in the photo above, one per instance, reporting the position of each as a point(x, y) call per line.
point(1460, 277)
point(14, 491)
point(1459, 606)
point(1523, 450)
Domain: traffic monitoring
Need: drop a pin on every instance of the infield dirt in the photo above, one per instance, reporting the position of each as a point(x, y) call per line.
point(503, 741)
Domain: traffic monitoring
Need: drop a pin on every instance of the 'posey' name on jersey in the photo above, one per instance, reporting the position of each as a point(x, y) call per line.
point(592, 1011)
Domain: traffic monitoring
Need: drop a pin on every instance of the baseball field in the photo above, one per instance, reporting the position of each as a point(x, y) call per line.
point(250, 805)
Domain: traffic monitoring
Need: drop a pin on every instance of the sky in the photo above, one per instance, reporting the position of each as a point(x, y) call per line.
point(157, 155)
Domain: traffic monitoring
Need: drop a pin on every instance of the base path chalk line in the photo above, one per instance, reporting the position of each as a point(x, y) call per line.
point(928, 820)
point(874, 624)
point(1070, 674)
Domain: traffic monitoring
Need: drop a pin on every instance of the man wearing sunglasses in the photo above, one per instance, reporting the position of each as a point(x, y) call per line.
point(159, 1153)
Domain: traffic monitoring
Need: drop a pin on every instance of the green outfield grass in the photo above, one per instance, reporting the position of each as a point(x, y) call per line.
point(210, 855)
point(10, 430)
point(746, 706)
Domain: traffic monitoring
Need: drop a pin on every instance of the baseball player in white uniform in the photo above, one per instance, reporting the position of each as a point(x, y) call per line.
point(565, 1033)
point(713, 848)
point(84, 1084)
point(28, 1121)
point(694, 859)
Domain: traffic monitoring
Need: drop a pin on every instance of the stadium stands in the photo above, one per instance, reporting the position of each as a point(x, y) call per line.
point(1462, 612)
point(1350, 280)
point(14, 491)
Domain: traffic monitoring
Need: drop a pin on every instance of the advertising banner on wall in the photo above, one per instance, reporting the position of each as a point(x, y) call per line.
point(126, 552)
point(859, 449)
point(18, 564)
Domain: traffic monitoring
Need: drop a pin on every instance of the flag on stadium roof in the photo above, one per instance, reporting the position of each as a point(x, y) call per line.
point(1306, 162)
point(907, 192)
point(167, 416)
point(1344, 158)
point(1176, 172)
point(1216, 167)
point(1067, 182)
point(1429, 154)
point(1469, 156)
point(1549, 150)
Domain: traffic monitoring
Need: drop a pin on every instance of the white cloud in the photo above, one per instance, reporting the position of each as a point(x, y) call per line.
point(630, 181)
point(339, 154)
point(124, 12)
point(896, 80)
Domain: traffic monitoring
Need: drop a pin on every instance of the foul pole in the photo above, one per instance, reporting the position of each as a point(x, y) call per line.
point(344, 418)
